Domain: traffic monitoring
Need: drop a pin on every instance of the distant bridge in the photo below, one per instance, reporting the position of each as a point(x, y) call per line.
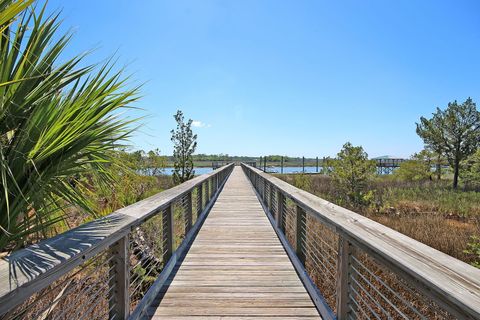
point(388, 165)
point(236, 243)
point(384, 165)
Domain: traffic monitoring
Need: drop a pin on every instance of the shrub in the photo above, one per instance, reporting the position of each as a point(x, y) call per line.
point(413, 170)
point(351, 171)
point(474, 249)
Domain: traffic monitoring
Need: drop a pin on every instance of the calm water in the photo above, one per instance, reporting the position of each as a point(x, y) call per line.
point(286, 170)
point(293, 169)
point(198, 171)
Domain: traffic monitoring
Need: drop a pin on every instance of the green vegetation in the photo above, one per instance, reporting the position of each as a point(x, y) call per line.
point(470, 171)
point(453, 132)
point(150, 163)
point(474, 249)
point(185, 143)
point(413, 170)
point(59, 124)
point(129, 187)
point(433, 211)
point(351, 171)
point(428, 211)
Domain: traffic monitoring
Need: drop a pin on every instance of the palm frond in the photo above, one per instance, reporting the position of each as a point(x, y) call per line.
point(57, 122)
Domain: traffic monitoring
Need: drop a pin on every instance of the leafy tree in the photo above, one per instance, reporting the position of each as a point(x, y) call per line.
point(185, 143)
point(426, 157)
point(155, 162)
point(59, 122)
point(455, 132)
point(471, 170)
point(351, 171)
point(413, 170)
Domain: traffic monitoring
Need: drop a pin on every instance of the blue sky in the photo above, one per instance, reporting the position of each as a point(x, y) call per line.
point(286, 77)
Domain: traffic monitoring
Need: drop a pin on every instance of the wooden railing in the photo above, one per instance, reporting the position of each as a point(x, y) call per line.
point(356, 268)
point(111, 267)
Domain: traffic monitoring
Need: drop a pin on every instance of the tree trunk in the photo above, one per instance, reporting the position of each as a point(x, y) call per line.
point(455, 173)
point(439, 168)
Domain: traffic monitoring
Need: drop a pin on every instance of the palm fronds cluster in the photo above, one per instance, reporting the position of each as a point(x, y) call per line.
point(59, 122)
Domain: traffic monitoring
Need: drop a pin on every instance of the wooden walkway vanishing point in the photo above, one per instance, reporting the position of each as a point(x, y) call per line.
point(236, 243)
point(236, 267)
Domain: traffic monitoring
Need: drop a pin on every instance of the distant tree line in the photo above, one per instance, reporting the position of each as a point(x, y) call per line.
point(148, 163)
point(452, 147)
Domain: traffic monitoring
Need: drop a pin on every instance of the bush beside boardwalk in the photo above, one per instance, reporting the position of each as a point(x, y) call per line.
point(428, 211)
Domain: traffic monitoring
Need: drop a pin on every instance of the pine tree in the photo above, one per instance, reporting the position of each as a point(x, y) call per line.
point(454, 131)
point(185, 143)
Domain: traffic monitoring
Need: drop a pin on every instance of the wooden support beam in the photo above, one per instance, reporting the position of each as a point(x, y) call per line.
point(168, 230)
point(119, 297)
point(199, 199)
point(280, 208)
point(208, 191)
point(343, 272)
point(301, 235)
point(271, 190)
point(188, 212)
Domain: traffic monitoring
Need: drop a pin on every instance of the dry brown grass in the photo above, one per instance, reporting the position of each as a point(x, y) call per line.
point(376, 292)
point(450, 236)
point(429, 212)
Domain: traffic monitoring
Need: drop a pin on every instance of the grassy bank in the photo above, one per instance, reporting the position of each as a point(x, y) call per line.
point(128, 190)
point(429, 211)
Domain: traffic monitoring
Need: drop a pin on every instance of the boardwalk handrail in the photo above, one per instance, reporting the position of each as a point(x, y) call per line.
point(119, 246)
point(375, 272)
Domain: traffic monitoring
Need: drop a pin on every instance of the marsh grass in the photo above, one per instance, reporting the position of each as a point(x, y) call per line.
point(428, 211)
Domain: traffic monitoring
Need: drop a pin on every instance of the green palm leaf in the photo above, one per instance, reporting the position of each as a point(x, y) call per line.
point(58, 123)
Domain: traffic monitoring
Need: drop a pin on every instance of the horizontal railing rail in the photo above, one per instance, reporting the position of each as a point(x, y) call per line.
point(111, 267)
point(356, 268)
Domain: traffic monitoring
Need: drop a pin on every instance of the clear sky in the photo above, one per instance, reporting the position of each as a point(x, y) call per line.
point(286, 77)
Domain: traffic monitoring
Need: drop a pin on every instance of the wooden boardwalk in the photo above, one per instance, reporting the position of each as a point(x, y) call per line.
point(236, 267)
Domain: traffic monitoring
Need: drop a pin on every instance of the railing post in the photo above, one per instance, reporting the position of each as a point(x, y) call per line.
point(188, 212)
point(301, 234)
point(260, 184)
point(343, 272)
point(280, 205)
point(119, 300)
point(210, 188)
point(200, 199)
point(207, 191)
point(168, 232)
point(270, 198)
point(264, 190)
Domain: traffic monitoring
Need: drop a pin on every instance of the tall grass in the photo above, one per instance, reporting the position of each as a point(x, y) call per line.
point(428, 211)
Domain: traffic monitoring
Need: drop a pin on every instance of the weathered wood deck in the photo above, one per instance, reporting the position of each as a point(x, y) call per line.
point(236, 267)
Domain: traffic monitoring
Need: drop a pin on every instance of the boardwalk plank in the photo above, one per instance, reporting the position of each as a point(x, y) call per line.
point(236, 268)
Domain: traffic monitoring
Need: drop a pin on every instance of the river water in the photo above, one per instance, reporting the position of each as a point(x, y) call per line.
point(199, 171)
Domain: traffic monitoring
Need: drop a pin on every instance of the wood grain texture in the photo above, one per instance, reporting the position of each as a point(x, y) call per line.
point(236, 268)
point(26, 271)
point(452, 283)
